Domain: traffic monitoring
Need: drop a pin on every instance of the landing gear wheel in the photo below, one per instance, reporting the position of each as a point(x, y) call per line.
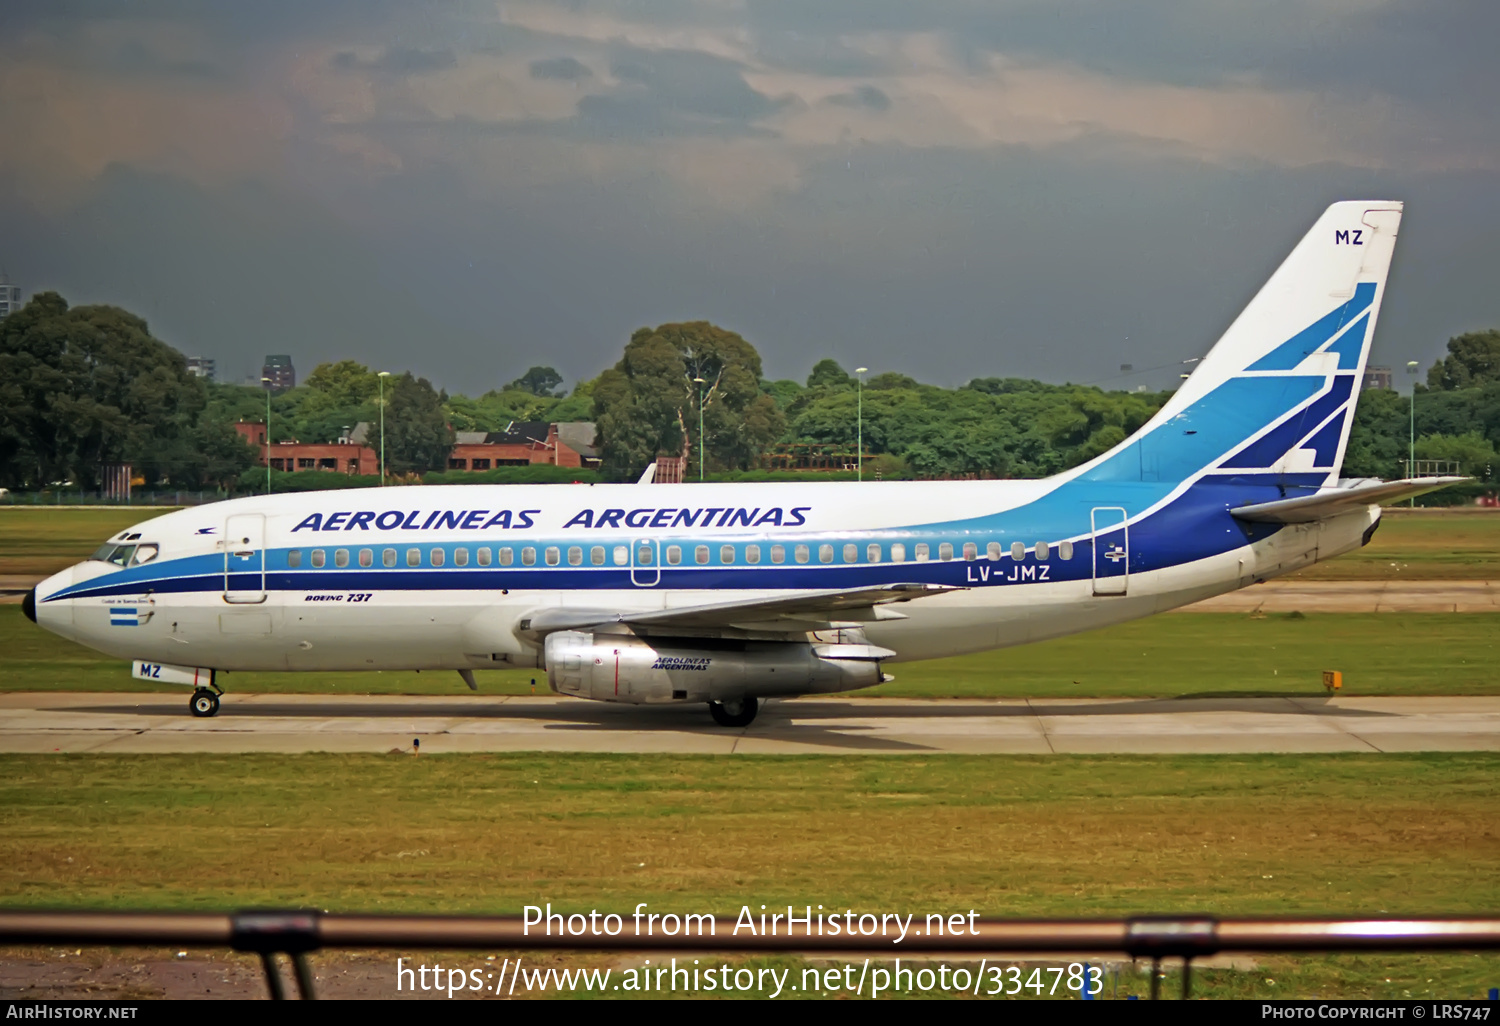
point(738, 713)
point(204, 703)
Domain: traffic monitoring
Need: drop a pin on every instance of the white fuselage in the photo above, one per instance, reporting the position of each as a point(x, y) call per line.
point(202, 601)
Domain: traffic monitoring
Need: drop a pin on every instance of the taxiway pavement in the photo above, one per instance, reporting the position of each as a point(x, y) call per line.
point(74, 722)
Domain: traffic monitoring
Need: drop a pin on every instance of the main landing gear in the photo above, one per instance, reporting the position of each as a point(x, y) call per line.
point(204, 702)
point(736, 713)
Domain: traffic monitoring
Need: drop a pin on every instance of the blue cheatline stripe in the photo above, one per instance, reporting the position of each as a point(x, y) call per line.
point(1310, 339)
point(1351, 344)
point(1274, 444)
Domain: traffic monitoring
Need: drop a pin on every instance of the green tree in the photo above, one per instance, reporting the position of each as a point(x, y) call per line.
point(87, 386)
point(539, 381)
point(417, 436)
point(1474, 453)
point(828, 374)
point(1473, 360)
point(649, 403)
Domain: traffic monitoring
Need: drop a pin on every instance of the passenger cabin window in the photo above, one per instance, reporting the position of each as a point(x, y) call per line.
point(413, 557)
point(622, 555)
point(1042, 550)
point(317, 558)
point(992, 550)
point(596, 555)
point(851, 553)
point(700, 555)
point(1018, 551)
point(873, 553)
point(825, 553)
point(898, 553)
point(802, 553)
point(341, 557)
point(366, 557)
point(726, 554)
point(388, 557)
point(1065, 550)
point(294, 558)
point(553, 555)
point(674, 554)
point(507, 556)
point(778, 553)
point(575, 555)
point(528, 556)
point(945, 550)
point(752, 554)
point(921, 552)
point(461, 556)
point(971, 551)
point(644, 555)
point(483, 557)
point(436, 555)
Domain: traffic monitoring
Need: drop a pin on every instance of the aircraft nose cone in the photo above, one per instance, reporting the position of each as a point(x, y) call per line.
point(28, 605)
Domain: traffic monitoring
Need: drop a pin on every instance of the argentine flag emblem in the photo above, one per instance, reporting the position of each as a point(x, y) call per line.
point(124, 616)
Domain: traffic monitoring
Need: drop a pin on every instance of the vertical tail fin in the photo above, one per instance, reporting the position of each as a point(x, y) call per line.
point(1276, 394)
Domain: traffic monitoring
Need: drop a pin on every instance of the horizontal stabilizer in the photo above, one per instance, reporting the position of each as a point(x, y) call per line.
point(802, 605)
point(1332, 502)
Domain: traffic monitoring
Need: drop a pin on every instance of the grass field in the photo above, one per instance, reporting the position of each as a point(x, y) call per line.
point(1419, 546)
point(1425, 545)
point(1007, 836)
point(1378, 653)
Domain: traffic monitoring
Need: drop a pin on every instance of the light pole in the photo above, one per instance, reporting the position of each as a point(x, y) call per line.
point(381, 378)
point(1411, 438)
point(700, 383)
point(266, 384)
point(859, 421)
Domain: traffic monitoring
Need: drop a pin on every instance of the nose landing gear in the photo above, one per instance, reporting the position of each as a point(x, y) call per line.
point(204, 702)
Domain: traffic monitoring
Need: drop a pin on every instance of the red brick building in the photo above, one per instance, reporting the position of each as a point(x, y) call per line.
point(342, 457)
point(523, 444)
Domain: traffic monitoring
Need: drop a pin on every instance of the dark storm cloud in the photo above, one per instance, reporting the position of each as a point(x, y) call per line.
point(691, 82)
point(569, 69)
point(1427, 50)
point(863, 96)
point(398, 61)
point(401, 231)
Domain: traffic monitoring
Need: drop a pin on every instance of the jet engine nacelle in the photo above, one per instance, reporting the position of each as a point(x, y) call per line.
point(624, 668)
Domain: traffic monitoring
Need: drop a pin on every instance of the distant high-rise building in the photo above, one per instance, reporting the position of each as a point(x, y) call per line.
point(201, 366)
point(10, 297)
point(1378, 377)
point(279, 373)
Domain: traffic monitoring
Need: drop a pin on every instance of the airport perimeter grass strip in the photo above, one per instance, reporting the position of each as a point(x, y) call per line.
point(1004, 835)
point(1161, 656)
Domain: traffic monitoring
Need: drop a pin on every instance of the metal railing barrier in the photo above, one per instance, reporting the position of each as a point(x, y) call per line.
point(295, 932)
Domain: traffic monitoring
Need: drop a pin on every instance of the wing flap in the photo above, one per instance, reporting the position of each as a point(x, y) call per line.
point(1332, 502)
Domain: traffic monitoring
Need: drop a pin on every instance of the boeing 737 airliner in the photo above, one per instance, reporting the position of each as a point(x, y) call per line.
point(727, 594)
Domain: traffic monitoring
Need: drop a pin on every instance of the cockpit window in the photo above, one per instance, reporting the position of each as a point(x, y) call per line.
point(125, 555)
point(119, 555)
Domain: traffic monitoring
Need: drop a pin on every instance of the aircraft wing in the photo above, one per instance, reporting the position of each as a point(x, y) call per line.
point(799, 610)
point(1332, 502)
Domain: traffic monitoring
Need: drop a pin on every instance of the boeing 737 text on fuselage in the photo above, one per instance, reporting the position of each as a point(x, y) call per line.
point(730, 593)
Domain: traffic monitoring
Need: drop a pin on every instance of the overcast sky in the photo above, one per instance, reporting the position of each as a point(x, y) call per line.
point(947, 188)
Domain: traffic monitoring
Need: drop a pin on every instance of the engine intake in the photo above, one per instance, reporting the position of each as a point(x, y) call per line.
point(624, 668)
